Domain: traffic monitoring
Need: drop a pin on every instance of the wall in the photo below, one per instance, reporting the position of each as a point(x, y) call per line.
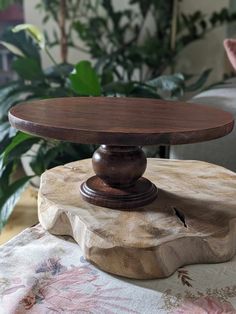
point(207, 53)
point(202, 54)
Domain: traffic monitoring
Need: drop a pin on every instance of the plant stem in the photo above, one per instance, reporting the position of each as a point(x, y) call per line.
point(50, 56)
point(62, 26)
point(55, 63)
point(174, 24)
point(174, 29)
point(80, 48)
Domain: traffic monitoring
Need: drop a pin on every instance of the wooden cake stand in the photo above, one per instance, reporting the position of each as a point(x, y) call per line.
point(121, 126)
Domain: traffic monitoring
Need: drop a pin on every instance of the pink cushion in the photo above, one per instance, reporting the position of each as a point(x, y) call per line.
point(230, 48)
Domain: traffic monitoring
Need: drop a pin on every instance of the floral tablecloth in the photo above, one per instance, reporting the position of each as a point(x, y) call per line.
point(42, 273)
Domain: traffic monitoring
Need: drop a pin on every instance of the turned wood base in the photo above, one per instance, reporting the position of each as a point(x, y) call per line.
point(96, 192)
point(193, 219)
point(118, 183)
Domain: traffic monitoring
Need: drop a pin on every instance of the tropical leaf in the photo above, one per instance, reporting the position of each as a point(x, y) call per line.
point(172, 84)
point(4, 126)
point(28, 68)
point(144, 91)
point(25, 45)
point(19, 145)
point(55, 73)
point(6, 89)
point(6, 130)
point(144, 6)
point(33, 31)
point(9, 199)
point(201, 81)
point(16, 51)
point(84, 80)
point(6, 136)
point(118, 88)
point(45, 155)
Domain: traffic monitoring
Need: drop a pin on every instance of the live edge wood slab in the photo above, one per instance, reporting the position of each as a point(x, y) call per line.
point(121, 125)
point(192, 220)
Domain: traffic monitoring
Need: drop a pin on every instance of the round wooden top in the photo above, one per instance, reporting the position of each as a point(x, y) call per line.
point(120, 121)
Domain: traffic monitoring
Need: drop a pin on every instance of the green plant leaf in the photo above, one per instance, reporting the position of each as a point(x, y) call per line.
point(172, 84)
point(118, 88)
point(84, 80)
point(9, 199)
point(144, 6)
point(19, 91)
point(33, 31)
point(15, 50)
point(19, 145)
point(201, 81)
point(6, 89)
point(22, 42)
point(54, 73)
point(46, 154)
point(5, 174)
point(4, 129)
point(81, 29)
point(143, 91)
point(28, 68)
point(7, 132)
point(9, 102)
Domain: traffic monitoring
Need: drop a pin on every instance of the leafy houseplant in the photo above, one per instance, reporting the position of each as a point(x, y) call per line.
point(113, 75)
point(126, 45)
point(35, 83)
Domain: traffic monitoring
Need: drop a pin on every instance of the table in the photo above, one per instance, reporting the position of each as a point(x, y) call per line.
point(121, 125)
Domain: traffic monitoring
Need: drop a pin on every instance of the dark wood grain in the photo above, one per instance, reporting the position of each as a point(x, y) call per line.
point(118, 183)
point(120, 124)
point(119, 166)
point(121, 121)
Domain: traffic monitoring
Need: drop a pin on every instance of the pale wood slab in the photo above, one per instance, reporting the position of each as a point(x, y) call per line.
point(154, 242)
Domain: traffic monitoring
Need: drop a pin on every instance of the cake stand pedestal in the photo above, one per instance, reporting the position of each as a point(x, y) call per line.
point(134, 226)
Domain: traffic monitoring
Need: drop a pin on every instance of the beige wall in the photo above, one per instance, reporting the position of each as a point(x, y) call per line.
point(198, 56)
point(207, 53)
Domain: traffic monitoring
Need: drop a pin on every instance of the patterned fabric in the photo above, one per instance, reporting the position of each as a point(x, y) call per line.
point(41, 273)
